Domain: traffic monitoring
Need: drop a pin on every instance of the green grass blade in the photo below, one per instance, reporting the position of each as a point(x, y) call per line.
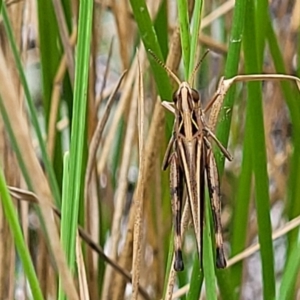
point(208, 256)
point(49, 49)
point(261, 15)
point(291, 270)
point(23, 252)
point(291, 273)
point(184, 34)
point(240, 217)
point(161, 28)
point(33, 114)
point(78, 138)
point(66, 215)
point(196, 280)
point(195, 35)
point(259, 159)
point(292, 97)
point(149, 38)
point(225, 284)
point(231, 69)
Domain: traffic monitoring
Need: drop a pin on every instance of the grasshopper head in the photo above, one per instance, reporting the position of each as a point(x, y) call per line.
point(186, 99)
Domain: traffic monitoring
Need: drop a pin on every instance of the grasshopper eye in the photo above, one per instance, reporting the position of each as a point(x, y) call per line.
point(195, 95)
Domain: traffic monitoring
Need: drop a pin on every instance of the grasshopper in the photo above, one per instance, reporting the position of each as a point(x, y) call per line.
point(190, 158)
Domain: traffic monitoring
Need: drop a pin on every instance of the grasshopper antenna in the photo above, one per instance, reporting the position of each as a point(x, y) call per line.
point(169, 71)
point(191, 79)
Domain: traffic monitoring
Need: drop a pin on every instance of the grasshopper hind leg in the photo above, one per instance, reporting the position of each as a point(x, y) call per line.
point(176, 187)
point(214, 193)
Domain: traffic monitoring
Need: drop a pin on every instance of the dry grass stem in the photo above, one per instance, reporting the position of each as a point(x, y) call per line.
point(82, 280)
point(137, 238)
point(217, 13)
point(126, 92)
point(105, 76)
point(64, 35)
point(94, 145)
point(55, 97)
point(120, 195)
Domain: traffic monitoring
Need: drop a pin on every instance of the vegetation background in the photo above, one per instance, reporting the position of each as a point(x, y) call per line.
point(81, 140)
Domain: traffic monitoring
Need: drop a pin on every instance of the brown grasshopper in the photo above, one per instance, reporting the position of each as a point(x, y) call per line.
point(190, 157)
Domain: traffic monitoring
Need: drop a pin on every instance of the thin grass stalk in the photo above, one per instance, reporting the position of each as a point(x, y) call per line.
point(55, 99)
point(94, 145)
point(288, 227)
point(100, 98)
point(82, 278)
point(122, 23)
point(218, 12)
point(123, 102)
point(137, 247)
point(66, 215)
